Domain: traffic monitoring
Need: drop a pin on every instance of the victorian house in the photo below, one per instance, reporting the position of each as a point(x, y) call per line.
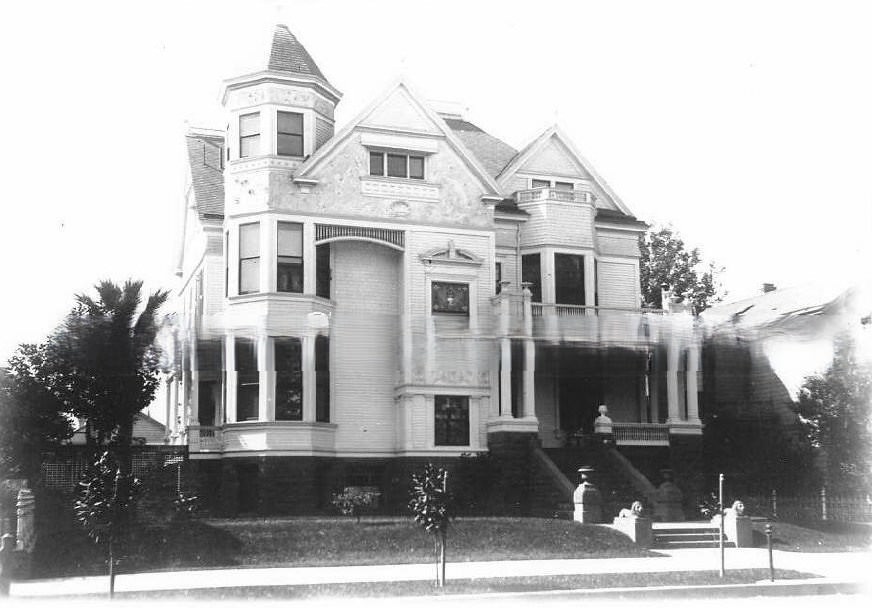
point(353, 301)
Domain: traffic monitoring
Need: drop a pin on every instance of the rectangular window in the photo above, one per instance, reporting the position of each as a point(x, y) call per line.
point(407, 166)
point(249, 135)
point(208, 394)
point(247, 380)
point(564, 186)
point(541, 183)
point(289, 379)
point(289, 134)
point(498, 272)
point(531, 272)
point(289, 263)
point(226, 263)
point(450, 298)
point(452, 420)
point(376, 163)
point(569, 278)
point(249, 258)
point(322, 379)
point(322, 271)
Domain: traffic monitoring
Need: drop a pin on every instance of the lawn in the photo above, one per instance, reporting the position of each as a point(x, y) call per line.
point(333, 542)
point(504, 585)
point(819, 536)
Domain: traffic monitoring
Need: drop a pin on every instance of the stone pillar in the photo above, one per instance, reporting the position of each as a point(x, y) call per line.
point(308, 369)
point(692, 384)
point(672, 358)
point(26, 533)
point(230, 373)
point(587, 499)
point(266, 372)
point(638, 529)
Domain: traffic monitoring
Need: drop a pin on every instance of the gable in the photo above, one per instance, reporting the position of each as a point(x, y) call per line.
point(399, 111)
point(553, 158)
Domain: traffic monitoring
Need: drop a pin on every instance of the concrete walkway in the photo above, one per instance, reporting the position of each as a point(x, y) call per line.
point(834, 567)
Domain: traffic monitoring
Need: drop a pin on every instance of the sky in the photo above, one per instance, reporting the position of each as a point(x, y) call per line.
point(746, 125)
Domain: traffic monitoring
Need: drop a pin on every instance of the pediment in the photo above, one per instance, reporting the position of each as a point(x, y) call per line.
point(400, 112)
point(553, 158)
point(450, 255)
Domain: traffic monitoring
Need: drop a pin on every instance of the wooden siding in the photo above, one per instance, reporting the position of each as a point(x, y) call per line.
point(618, 284)
point(567, 225)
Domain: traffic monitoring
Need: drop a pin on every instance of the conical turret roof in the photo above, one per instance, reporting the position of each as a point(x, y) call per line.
point(288, 55)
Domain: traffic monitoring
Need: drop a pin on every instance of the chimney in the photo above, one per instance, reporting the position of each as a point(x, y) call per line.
point(767, 287)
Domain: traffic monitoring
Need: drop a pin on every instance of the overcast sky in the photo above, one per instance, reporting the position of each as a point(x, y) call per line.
point(747, 125)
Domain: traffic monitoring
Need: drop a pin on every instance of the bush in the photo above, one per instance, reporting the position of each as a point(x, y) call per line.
point(352, 500)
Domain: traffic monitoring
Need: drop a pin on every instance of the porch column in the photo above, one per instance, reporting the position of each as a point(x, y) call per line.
point(654, 386)
point(672, 357)
point(308, 258)
point(590, 283)
point(505, 377)
point(529, 397)
point(266, 372)
point(546, 267)
point(308, 368)
point(194, 402)
point(230, 373)
point(692, 384)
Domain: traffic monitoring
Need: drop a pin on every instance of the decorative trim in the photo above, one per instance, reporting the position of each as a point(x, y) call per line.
point(451, 255)
point(334, 232)
point(398, 188)
point(513, 425)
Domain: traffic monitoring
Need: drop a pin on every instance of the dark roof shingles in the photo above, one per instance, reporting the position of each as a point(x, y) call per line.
point(288, 55)
point(491, 152)
point(205, 156)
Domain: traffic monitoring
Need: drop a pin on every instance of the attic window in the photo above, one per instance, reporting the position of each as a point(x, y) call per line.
point(394, 164)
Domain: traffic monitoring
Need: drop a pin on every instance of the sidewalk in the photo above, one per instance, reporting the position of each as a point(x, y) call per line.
point(833, 567)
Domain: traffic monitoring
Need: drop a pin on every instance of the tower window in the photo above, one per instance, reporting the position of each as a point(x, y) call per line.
point(289, 134)
point(249, 258)
point(249, 135)
point(290, 257)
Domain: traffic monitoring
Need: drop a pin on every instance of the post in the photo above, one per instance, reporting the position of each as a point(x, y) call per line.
point(824, 503)
point(769, 547)
point(721, 509)
point(7, 546)
point(774, 504)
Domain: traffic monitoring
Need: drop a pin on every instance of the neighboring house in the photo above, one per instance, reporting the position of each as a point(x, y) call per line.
point(409, 287)
point(146, 431)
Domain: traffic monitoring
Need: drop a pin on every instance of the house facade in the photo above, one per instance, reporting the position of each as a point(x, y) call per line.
point(353, 301)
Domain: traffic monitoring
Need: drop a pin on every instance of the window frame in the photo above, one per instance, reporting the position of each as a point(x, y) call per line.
point(385, 164)
point(454, 313)
point(257, 135)
point(445, 437)
point(301, 134)
point(279, 256)
point(240, 259)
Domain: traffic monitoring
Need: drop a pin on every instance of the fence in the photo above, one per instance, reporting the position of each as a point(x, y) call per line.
point(818, 506)
point(62, 469)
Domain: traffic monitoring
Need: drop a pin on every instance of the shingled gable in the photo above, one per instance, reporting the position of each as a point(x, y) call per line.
point(308, 171)
point(531, 149)
point(205, 162)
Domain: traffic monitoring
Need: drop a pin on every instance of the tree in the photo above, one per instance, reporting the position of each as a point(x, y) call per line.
point(665, 261)
point(103, 506)
point(31, 417)
point(432, 506)
point(835, 408)
point(103, 362)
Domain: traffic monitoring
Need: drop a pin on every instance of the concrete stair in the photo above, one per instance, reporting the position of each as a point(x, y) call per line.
point(687, 535)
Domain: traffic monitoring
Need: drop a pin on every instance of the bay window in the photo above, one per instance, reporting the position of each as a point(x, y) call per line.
point(289, 379)
point(289, 134)
point(249, 135)
point(289, 259)
point(249, 258)
point(247, 380)
point(569, 279)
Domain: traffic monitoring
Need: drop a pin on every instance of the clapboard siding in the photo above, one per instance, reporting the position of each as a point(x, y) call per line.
point(364, 335)
point(618, 244)
point(618, 284)
point(552, 223)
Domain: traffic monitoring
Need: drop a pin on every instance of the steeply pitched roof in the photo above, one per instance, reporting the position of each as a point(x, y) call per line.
point(491, 152)
point(288, 55)
point(205, 156)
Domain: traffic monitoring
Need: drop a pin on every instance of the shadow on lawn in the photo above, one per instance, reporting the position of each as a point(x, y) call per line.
point(183, 544)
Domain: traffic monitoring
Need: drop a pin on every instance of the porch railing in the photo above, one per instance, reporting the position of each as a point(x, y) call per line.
point(205, 438)
point(641, 433)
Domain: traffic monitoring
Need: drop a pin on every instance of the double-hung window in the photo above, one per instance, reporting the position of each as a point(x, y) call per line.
point(247, 380)
point(249, 258)
point(289, 379)
point(249, 135)
point(289, 263)
point(395, 164)
point(289, 134)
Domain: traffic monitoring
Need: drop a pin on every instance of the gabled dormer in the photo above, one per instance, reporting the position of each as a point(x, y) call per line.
point(282, 113)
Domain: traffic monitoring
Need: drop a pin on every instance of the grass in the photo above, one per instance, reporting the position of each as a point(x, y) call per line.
point(819, 536)
point(333, 542)
point(460, 586)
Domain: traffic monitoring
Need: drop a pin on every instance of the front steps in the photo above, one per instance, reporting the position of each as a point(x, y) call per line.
point(687, 535)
